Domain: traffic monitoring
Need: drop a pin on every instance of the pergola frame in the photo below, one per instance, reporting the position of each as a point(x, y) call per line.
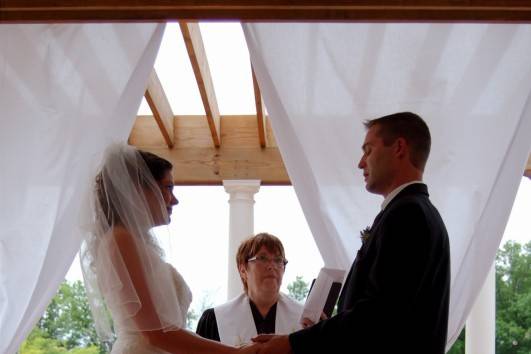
point(239, 147)
point(265, 10)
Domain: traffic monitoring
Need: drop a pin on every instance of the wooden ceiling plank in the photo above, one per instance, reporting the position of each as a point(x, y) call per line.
point(265, 10)
point(260, 111)
point(160, 106)
point(196, 52)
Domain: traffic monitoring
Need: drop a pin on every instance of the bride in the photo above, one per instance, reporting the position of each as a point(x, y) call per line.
point(123, 266)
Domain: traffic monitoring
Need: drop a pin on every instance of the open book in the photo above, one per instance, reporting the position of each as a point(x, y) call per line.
point(323, 294)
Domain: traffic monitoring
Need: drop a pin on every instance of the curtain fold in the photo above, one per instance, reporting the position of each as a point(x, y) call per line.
point(66, 92)
point(471, 83)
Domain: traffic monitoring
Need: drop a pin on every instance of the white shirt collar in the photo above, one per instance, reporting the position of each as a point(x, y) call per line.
point(395, 191)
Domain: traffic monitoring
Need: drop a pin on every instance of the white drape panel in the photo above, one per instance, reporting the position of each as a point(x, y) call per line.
point(66, 91)
point(471, 83)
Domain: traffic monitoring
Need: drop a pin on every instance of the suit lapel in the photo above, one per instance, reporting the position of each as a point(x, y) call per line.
point(347, 291)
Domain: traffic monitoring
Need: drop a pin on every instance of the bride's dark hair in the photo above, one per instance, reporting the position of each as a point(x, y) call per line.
point(158, 167)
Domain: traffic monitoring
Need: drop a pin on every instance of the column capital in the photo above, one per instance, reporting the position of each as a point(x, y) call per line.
point(250, 186)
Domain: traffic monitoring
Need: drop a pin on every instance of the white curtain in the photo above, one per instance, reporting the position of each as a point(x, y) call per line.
point(66, 91)
point(471, 83)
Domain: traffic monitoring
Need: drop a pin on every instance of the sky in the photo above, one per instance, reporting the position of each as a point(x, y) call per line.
point(197, 241)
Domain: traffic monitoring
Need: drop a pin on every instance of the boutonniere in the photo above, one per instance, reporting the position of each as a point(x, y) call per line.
point(365, 234)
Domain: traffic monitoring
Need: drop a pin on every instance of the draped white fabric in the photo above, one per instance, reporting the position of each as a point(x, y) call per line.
point(472, 84)
point(66, 92)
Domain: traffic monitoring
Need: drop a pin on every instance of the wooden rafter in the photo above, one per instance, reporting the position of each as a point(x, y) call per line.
point(196, 52)
point(160, 106)
point(265, 10)
point(260, 111)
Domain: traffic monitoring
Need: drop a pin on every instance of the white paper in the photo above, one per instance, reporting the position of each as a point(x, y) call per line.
point(319, 293)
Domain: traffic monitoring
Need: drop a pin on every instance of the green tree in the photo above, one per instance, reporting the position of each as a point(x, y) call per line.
point(38, 343)
point(513, 299)
point(298, 289)
point(68, 317)
point(459, 345)
point(66, 326)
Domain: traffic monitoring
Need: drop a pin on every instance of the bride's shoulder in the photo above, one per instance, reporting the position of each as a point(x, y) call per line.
point(119, 232)
point(120, 236)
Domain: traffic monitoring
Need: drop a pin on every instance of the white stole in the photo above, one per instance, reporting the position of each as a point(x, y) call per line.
point(236, 324)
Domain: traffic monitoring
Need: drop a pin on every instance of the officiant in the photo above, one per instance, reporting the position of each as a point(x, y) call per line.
point(261, 308)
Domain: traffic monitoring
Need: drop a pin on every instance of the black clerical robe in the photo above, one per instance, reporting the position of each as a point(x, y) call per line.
point(396, 296)
point(207, 327)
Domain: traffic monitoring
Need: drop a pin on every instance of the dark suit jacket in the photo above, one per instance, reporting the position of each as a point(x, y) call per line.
point(395, 298)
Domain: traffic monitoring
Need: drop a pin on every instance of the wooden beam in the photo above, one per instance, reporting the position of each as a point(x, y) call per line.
point(197, 162)
point(196, 52)
point(160, 106)
point(265, 10)
point(210, 166)
point(260, 111)
point(238, 131)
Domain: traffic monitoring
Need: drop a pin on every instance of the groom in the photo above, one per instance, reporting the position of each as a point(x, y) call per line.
point(395, 298)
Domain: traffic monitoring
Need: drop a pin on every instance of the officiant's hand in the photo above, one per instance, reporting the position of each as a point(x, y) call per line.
point(306, 322)
point(273, 344)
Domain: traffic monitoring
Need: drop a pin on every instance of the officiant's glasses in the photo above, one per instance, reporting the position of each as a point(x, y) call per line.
point(278, 262)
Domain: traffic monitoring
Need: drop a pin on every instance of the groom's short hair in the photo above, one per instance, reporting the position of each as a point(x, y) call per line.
point(409, 126)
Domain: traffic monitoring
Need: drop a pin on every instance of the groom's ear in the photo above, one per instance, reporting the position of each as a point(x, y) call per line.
point(401, 147)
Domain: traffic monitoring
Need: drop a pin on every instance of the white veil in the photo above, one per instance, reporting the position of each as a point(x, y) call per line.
point(121, 261)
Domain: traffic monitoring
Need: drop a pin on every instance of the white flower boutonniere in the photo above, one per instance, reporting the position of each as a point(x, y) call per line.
point(365, 234)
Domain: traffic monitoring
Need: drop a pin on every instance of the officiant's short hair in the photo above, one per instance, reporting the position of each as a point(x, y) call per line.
point(409, 126)
point(250, 247)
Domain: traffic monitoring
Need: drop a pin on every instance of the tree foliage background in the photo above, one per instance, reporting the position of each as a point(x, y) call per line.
point(67, 326)
point(513, 301)
point(298, 289)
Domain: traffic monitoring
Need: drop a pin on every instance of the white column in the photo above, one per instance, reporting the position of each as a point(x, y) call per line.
point(241, 225)
point(481, 323)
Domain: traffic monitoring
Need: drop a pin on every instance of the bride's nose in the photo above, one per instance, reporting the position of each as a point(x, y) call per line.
point(174, 201)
